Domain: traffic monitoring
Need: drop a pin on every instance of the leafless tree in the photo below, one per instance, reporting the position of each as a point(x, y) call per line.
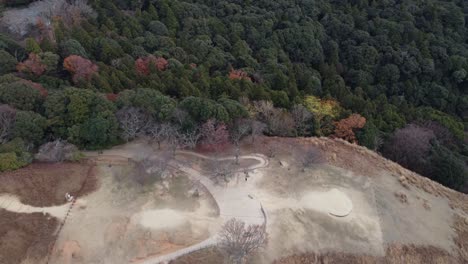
point(160, 132)
point(241, 128)
point(132, 121)
point(301, 117)
point(174, 140)
point(57, 151)
point(238, 241)
point(190, 139)
point(442, 133)
point(280, 123)
point(220, 172)
point(257, 128)
point(7, 122)
point(310, 157)
point(179, 116)
point(263, 110)
point(152, 169)
point(215, 135)
point(410, 147)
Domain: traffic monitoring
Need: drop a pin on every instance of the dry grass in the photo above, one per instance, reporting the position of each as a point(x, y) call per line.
point(25, 236)
point(45, 184)
point(205, 256)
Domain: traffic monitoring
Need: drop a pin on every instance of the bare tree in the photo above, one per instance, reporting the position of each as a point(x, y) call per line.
point(132, 121)
point(57, 151)
point(220, 172)
point(159, 132)
point(7, 122)
point(238, 241)
point(263, 110)
point(301, 117)
point(150, 170)
point(215, 135)
point(280, 123)
point(179, 116)
point(410, 146)
point(257, 128)
point(174, 140)
point(310, 157)
point(241, 128)
point(190, 139)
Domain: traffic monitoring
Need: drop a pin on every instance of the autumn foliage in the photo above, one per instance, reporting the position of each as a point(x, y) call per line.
point(215, 136)
point(36, 86)
point(344, 127)
point(32, 65)
point(143, 65)
point(80, 68)
point(239, 75)
point(112, 97)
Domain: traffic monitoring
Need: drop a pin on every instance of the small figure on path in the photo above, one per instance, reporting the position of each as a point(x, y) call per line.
point(246, 175)
point(68, 197)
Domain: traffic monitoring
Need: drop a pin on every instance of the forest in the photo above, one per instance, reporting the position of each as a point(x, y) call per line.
point(390, 75)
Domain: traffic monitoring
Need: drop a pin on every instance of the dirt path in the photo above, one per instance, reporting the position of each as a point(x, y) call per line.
point(233, 202)
point(13, 204)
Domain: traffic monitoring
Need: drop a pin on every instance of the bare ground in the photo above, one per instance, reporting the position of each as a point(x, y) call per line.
point(430, 225)
point(395, 254)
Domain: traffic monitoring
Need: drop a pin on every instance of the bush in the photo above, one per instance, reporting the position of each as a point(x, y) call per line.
point(16, 145)
point(72, 47)
point(7, 61)
point(448, 168)
point(20, 95)
point(29, 126)
point(10, 161)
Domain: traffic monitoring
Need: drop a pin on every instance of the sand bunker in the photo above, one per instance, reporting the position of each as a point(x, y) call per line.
point(333, 202)
point(161, 219)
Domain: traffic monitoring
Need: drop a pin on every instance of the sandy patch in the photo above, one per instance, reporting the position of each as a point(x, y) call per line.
point(161, 219)
point(13, 204)
point(333, 202)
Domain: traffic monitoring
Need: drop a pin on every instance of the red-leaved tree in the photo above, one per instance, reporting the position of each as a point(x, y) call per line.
point(80, 68)
point(239, 75)
point(215, 136)
point(143, 65)
point(344, 127)
point(36, 86)
point(112, 97)
point(32, 65)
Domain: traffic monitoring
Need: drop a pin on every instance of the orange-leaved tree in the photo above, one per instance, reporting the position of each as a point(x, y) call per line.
point(344, 127)
point(143, 65)
point(80, 68)
point(239, 75)
point(32, 65)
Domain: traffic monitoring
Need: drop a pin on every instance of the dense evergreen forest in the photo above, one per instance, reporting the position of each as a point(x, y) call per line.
point(391, 75)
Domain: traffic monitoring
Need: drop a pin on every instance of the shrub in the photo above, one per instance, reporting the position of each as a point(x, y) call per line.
point(11, 161)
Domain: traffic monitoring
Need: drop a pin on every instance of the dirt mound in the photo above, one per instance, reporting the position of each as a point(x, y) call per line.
point(25, 236)
point(45, 184)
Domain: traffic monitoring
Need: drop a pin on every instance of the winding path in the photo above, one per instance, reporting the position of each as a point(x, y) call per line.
point(233, 202)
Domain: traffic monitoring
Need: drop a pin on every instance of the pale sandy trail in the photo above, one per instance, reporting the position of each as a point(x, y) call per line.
point(233, 202)
point(13, 204)
point(238, 201)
